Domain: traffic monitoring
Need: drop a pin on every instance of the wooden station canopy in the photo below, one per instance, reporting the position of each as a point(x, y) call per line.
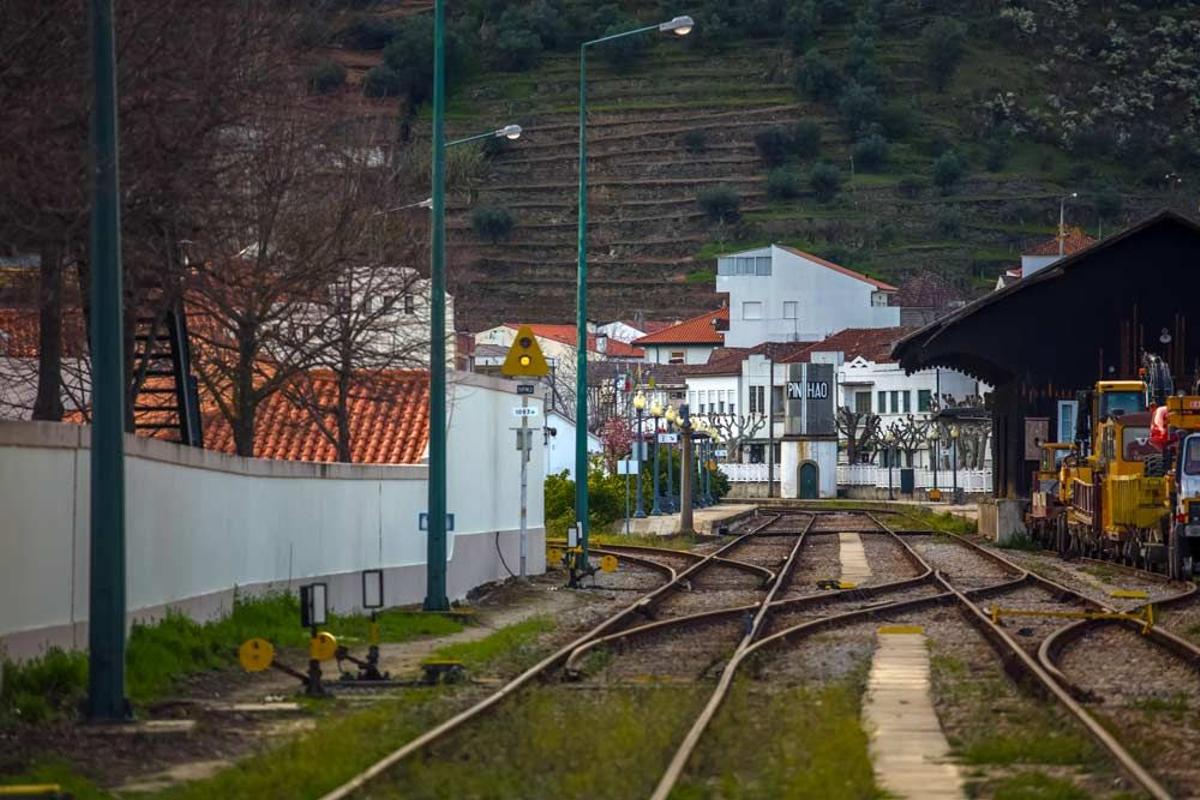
point(1085, 318)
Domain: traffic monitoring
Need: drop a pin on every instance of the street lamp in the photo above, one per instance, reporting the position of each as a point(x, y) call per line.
point(510, 132)
point(1062, 211)
point(680, 26)
point(671, 416)
point(890, 439)
point(933, 442)
point(639, 404)
point(656, 412)
point(954, 456)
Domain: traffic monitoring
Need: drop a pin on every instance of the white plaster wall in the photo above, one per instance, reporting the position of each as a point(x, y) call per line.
point(794, 452)
point(560, 448)
point(827, 301)
point(199, 523)
point(692, 353)
point(726, 387)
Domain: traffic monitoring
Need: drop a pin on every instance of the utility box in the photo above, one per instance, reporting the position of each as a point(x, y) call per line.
point(908, 481)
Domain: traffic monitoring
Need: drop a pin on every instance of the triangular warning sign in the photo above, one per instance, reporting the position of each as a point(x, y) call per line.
point(525, 359)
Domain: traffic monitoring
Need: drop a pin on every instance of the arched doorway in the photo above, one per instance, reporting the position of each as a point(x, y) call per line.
point(806, 480)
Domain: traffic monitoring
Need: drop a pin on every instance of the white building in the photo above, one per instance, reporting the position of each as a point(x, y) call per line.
point(780, 294)
point(1046, 253)
point(691, 341)
point(559, 437)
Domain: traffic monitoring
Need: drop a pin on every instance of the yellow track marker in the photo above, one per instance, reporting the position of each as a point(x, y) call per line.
point(256, 654)
point(901, 629)
point(1130, 594)
point(31, 790)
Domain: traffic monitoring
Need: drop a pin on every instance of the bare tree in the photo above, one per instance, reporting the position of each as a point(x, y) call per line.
point(736, 429)
point(909, 435)
point(860, 430)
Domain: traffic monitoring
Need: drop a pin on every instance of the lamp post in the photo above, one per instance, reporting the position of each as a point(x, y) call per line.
point(1062, 214)
point(670, 416)
point(891, 453)
point(656, 411)
point(687, 476)
point(954, 456)
point(933, 441)
point(680, 26)
point(639, 405)
point(436, 517)
point(106, 594)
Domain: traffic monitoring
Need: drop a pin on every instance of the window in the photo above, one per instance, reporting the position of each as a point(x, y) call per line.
point(410, 305)
point(777, 406)
point(752, 309)
point(676, 357)
point(757, 406)
point(721, 404)
point(789, 309)
point(862, 402)
point(882, 409)
point(895, 401)
point(907, 395)
point(744, 265)
point(732, 409)
point(924, 400)
point(1191, 456)
point(712, 398)
point(701, 407)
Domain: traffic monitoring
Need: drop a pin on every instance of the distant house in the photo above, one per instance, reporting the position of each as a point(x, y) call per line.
point(688, 342)
point(1046, 253)
point(559, 434)
point(780, 294)
point(627, 331)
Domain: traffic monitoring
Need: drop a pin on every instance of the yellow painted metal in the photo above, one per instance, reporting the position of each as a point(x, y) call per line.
point(322, 647)
point(1145, 617)
point(373, 633)
point(256, 654)
point(554, 555)
point(608, 564)
point(525, 359)
point(1130, 594)
point(30, 790)
point(900, 629)
point(1184, 412)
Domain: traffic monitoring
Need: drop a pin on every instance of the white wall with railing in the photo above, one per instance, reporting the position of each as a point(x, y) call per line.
point(969, 480)
point(747, 473)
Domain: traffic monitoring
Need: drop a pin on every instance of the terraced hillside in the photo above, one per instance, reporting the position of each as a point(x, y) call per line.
point(682, 119)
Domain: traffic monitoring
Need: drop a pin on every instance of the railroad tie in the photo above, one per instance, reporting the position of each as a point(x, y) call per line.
point(855, 568)
point(909, 752)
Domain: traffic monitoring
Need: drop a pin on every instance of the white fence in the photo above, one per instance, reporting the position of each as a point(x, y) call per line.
point(747, 473)
point(969, 480)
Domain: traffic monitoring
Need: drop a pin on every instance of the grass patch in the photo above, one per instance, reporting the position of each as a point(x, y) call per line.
point(556, 744)
point(73, 784)
point(1176, 706)
point(1037, 786)
point(676, 542)
point(162, 653)
point(511, 648)
point(1021, 541)
point(796, 742)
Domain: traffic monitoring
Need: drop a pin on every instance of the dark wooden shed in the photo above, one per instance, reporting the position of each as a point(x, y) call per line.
point(1085, 318)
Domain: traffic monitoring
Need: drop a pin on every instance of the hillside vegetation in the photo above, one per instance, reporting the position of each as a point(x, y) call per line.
point(894, 136)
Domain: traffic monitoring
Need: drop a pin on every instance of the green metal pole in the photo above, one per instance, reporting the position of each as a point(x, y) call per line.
point(581, 402)
point(435, 561)
point(106, 594)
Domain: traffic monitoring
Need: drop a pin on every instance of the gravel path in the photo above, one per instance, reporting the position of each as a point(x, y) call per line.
point(960, 565)
point(836, 523)
point(1151, 699)
point(819, 560)
point(888, 560)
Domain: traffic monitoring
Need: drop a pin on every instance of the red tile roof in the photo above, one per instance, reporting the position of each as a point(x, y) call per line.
point(722, 361)
point(566, 335)
point(1074, 241)
point(389, 422)
point(887, 287)
point(697, 330)
point(19, 333)
point(873, 344)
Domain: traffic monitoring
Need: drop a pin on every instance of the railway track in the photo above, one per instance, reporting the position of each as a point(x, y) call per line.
point(748, 597)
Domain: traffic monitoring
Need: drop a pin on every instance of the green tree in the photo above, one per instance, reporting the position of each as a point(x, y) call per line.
point(818, 77)
point(944, 42)
point(382, 81)
point(326, 77)
point(860, 108)
point(492, 223)
point(800, 25)
point(720, 203)
point(825, 181)
point(783, 184)
point(806, 139)
point(871, 153)
point(410, 57)
point(773, 145)
point(948, 170)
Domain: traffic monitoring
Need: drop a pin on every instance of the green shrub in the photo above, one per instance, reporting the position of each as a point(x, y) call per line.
point(783, 184)
point(369, 33)
point(800, 25)
point(948, 222)
point(945, 43)
point(948, 170)
point(694, 141)
point(720, 203)
point(42, 688)
point(517, 46)
point(382, 81)
point(492, 223)
point(326, 77)
point(860, 108)
point(623, 54)
point(818, 77)
point(825, 181)
point(899, 120)
point(997, 152)
point(410, 56)
point(912, 186)
point(871, 153)
point(773, 145)
point(806, 139)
